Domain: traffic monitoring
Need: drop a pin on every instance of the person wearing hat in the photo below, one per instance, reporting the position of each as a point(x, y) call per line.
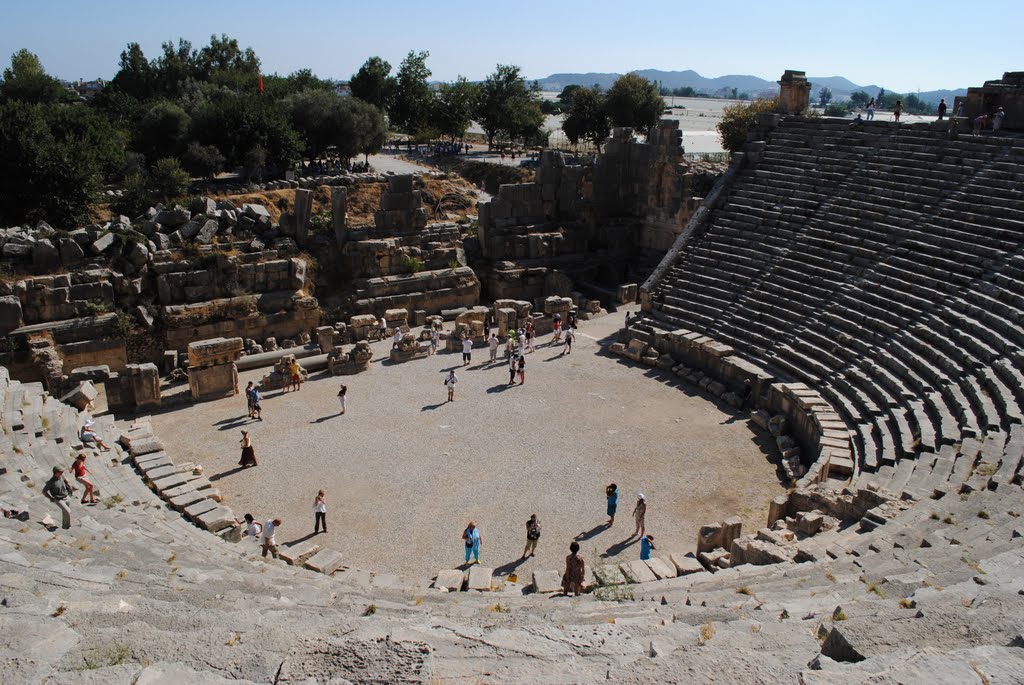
point(89, 437)
point(639, 513)
point(58, 490)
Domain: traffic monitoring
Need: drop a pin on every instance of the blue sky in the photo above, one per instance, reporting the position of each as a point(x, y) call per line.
point(905, 46)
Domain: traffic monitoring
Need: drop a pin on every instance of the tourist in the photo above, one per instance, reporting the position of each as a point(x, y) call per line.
point(319, 513)
point(269, 541)
point(960, 110)
point(342, 392)
point(82, 476)
point(979, 123)
point(568, 341)
point(571, 322)
point(58, 490)
point(646, 547)
point(492, 342)
point(435, 336)
point(521, 342)
point(532, 536)
point(397, 338)
point(612, 493)
point(639, 514)
point(487, 326)
point(997, 119)
point(575, 571)
point(897, 111)
point(449, 383)
point(383, 326)
point(248, 453)
point(252, 529)
point(529, 336)
point(472, 539)
point(296, 374)
point(627, 319)
point(510, 344)
point(512, 368)
point(467, 350)
point(256, 407)
point(90, 438)
point(248, 399)
point(522, 370)
point(871, 109)
point(942, 108)
point(556, 327)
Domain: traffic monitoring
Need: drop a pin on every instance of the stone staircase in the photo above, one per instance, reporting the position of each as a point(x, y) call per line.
point(881, 266)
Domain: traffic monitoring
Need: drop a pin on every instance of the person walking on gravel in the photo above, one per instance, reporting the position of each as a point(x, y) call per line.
point(467, 350)
point(248, 453)
point(532, 536)
point(58, 490)
point(435, 336)
point(512, 367)
point(82, 476)
point(522, 370)
point(269, 539)
point(472, 539)
point(450, 382)
point(492, 343)
point(319, 513)
point(639, 514)
point(256, 407)
point(568, 341)
point(575, 571)
point(341, 397)
point(612, 494)
point(248, 399)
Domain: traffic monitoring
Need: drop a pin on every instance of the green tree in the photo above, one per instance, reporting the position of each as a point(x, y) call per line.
point(373, 83)
point(370, 126)
point(53, 162)
point(634, 101)
point(135, 76)
point(739, 120)
point(410, 107)
point(824, 96)
point(859, 98)
point(224, 62)
point(238, 124)
point(566, 96)
point(253, 162)
point(26, 80)
point(162, 131)
point(587, 118)
point(507, 106)
point(175, 66)
point(453, 108)
point(276, 87)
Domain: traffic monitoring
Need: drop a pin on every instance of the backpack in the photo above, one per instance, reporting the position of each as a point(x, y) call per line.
point(533, 532)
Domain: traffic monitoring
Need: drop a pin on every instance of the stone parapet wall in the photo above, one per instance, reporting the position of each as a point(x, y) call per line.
point(179, 282)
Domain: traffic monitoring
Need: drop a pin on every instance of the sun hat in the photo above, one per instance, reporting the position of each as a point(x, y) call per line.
point(89, 423)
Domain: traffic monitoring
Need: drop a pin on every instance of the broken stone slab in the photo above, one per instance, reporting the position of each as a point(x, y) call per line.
point(102, 243)
point(662, 567)
point(326, 561)
point(161, 471)
point(546, 581)
point(216, 519)
point(150, 466)
point(168, 481)
point(81, 396)
point(186, 499)
point(637, 572)
point(609, 574)
point(297, 553)
point(145, 446)
point(479, 578)
point(450, 579)
point(685, 565)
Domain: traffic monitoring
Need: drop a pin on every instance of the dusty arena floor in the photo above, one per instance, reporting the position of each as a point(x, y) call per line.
point(404, 470)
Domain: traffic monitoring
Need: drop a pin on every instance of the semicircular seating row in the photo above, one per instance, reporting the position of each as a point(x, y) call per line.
point(884, 267)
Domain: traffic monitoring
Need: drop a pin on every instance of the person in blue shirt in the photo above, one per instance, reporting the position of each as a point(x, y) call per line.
point(472, 539)
point(646, 547)
point(612, 492)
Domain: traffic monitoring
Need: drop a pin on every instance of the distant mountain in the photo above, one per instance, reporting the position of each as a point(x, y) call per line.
point(840, 86)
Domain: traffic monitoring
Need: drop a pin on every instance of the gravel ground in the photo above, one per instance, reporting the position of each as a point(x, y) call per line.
point(404, 470)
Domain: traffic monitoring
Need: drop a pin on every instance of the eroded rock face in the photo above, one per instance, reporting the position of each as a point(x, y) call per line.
point(361, 661)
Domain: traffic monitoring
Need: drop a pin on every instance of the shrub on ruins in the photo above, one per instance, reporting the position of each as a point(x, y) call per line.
point(634, 101)
point(587, 118)
point(837, 109)
point(507, 107)
point(238, 124)
point(373, 83)
point(202, 161)
point(739, 120)
point(162, 131)
point(168, 180)
point(27, 81)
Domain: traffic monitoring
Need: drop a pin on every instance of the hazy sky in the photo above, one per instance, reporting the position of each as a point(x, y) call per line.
point(903, 45)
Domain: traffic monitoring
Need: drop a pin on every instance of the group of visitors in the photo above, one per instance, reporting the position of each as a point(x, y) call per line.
point(265, 532)
point(58, 490)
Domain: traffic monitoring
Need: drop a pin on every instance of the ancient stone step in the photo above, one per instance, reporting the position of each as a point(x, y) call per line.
point(326, 561)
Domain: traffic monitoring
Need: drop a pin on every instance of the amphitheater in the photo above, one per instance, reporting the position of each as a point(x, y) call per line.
point(851, 294)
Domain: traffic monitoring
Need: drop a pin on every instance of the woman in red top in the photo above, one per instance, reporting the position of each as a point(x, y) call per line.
point(82, 476)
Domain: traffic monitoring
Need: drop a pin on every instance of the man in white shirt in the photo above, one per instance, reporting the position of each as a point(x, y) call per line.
point(492, 342)
point(398, 337)
point(269, 542)
point(467, 350)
